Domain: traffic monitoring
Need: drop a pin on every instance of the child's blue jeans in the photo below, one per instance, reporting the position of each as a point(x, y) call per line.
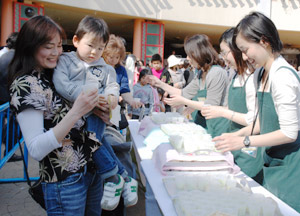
point(105, 159)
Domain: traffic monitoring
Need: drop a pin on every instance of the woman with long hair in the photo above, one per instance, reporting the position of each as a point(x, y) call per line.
point(54, 133)
point(278, 123)
point(207, 88)
point(241, 104)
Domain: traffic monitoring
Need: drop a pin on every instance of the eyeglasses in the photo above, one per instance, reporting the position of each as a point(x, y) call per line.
point(224, 54)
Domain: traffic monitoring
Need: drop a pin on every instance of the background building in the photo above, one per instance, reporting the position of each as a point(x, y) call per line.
point(159, 26)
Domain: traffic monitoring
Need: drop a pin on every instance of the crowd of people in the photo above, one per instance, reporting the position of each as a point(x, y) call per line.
point(247, 97)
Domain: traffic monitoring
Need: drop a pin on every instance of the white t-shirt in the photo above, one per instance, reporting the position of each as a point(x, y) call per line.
point(286, 96)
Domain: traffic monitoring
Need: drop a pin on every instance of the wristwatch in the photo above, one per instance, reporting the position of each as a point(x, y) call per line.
point(246, 141)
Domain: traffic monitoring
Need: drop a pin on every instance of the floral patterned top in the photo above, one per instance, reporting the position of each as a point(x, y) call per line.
point(35, 91)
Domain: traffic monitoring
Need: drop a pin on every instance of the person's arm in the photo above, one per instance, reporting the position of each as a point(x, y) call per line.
point(211, 112)
point(251, 100)
point(154, 81)
point(187, 94)
point(38, 142)
point(82, 105)
point(41, 143)
point(127, 97)
point(285, 93)
point(62, 81)
point(216, 85)
point(111, 85)
point(162, 107)
point(230, 143)
point(191, 89)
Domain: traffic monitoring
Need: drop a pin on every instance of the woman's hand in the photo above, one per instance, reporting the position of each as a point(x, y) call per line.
point(153, 80)
point(210, 112)
point(228, 142)
point(85, 102)
point(175, 100)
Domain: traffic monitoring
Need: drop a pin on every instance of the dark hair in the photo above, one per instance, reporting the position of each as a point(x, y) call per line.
point(160, 91)
point(156, 57)
point(255, 27)
point(34, 33)
point(227, 37)
point(138, 62)
point(201, 50)
point(11, 40)
point(144, 72)
point(93, 25)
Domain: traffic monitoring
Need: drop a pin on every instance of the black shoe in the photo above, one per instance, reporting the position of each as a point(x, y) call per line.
point(15, 158)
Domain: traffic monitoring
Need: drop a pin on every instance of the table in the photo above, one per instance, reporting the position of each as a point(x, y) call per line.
point(154, 177)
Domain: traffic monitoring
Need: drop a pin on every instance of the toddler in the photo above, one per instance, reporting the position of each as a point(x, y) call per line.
point(85, 69)
point(144, 92)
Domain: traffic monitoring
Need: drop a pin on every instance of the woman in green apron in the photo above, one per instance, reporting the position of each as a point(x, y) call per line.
point(241, 105)
point(279, 114)
point(208, 87)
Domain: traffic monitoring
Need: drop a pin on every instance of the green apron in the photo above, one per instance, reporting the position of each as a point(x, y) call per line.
point(249, 165)
point(282, 163)
point(197, 116)
point(215, 126)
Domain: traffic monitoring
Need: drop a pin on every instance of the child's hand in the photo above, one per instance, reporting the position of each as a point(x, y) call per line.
point(112, 101)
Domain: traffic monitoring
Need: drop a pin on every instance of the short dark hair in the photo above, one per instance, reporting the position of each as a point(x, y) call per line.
point(255, 27)
point(227, 38)
point(201, 50)
point(11, 40)
point(144, 72)
point(156, 57)
point(93, 25)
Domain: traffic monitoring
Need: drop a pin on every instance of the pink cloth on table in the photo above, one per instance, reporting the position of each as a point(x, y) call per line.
point(146, 126)
point(157, 73)
point(167, 159)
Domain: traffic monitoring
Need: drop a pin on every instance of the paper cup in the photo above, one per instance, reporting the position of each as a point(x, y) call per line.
point(87, 88)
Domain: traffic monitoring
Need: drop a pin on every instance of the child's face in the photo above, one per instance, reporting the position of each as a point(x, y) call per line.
point(113, 59)
point(157, 65)
point(143, 81)
point(89, 48)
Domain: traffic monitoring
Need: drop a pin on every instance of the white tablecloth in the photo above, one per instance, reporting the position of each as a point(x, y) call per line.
point(154, 177)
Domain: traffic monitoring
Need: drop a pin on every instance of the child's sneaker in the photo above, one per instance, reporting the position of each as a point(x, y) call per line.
point(130, 192)
point(112, 194)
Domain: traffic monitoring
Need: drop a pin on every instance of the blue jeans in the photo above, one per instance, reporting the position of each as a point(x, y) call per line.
point(104, 159)
point(79, 194)
point(108, 147)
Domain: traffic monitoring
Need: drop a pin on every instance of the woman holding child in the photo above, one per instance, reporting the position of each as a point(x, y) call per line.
point(54, 132)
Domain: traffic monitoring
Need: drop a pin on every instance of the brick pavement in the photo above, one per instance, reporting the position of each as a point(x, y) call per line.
point(16, 201)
